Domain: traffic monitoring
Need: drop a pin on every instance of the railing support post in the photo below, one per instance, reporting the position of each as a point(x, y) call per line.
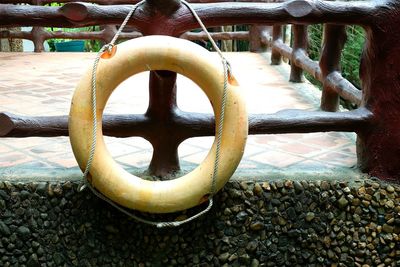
point(163, 135)
point(38, 34)
point(334, 40)
point(276, 57)
point(38, 38)
point(300, 43)
point(255, 35)
point(378, 146)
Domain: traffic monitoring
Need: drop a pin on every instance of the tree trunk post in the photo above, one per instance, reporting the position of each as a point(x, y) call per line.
point(255, 32)
point(164, 136)
point(333, 43)
point(378, 146)
point(300, 43)
point(276, 57)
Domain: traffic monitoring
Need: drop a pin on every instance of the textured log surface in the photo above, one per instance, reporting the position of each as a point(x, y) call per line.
point(334, 40)
point(379, 149)
point(116, 2)
point(299, 52)
point(300, 61)
point(181, 20)
point(191, 124)
point(241, 35)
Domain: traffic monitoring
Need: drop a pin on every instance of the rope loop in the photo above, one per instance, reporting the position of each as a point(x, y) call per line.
point(227, 72)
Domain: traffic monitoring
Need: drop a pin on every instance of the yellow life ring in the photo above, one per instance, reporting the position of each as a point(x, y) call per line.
point(157, 53)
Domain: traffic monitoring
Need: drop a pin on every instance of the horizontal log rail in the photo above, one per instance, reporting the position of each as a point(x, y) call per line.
point(191, 124)
point(101, 35)
point(334, 79)
point(198, 36)
point(213, 15)
point(119, 2)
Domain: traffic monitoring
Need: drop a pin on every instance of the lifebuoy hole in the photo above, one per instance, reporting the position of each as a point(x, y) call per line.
point(191, 98)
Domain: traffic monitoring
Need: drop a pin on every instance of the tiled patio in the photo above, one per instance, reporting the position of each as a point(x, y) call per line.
point(43, 84)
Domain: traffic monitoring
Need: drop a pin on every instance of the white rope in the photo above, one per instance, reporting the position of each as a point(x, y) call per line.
point(226, 69)
point(107, 47)
point(203, 27)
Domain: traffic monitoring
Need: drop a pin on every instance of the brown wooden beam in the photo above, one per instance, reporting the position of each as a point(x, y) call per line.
point(343, 87)
point(378, 147)
point(241, 35)
point(101, 35)
point(39, 35)
point(334, 40)
point(257, 33)
point(277, 35)
point(119, 2)
point(266, 36)
point(335, 80)
point(163, 133)
point(16, 34)
point(299, 53)
point(217, 14)
point(192, 124)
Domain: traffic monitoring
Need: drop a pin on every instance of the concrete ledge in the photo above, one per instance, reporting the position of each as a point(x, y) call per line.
point(261, 174)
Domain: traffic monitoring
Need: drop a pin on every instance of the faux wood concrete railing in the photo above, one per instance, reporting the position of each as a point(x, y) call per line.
point(376, 121)
point(38, 35)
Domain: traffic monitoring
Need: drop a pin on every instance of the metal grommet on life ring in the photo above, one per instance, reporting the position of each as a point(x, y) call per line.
point(158, 53)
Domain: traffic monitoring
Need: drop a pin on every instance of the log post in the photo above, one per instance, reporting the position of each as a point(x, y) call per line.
point(255, 34)
point(333, 43)
point(164, 136)
point(378, 147)
point(108, 32)
point(38, 33)
point(38, 38)
point(300, 43)
point(276, 57)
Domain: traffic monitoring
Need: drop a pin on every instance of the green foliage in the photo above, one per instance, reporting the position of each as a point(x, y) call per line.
point(351, 54)
point(315, 35)
point(242, 45)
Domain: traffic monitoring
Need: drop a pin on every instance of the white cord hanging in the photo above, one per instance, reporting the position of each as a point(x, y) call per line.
point(108, 49)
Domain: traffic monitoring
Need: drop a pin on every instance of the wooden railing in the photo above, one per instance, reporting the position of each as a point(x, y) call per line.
point(327, 70)
point(376, 121)
point(38, 35)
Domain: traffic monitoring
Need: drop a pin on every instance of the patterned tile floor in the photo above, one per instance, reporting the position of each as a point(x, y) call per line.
point(43, 84)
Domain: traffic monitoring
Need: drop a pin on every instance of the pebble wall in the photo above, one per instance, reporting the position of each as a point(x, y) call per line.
point(280, 223)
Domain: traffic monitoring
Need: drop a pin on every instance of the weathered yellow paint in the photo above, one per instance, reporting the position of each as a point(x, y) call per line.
point(157, 53)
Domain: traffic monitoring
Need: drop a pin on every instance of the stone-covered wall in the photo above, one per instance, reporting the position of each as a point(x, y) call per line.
point(281, 223)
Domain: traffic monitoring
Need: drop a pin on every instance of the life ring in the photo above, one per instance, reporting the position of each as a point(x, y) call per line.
point(157, 53)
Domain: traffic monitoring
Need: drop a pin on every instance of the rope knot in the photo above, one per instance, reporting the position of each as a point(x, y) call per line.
point(109, 47)
point(228, 67)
